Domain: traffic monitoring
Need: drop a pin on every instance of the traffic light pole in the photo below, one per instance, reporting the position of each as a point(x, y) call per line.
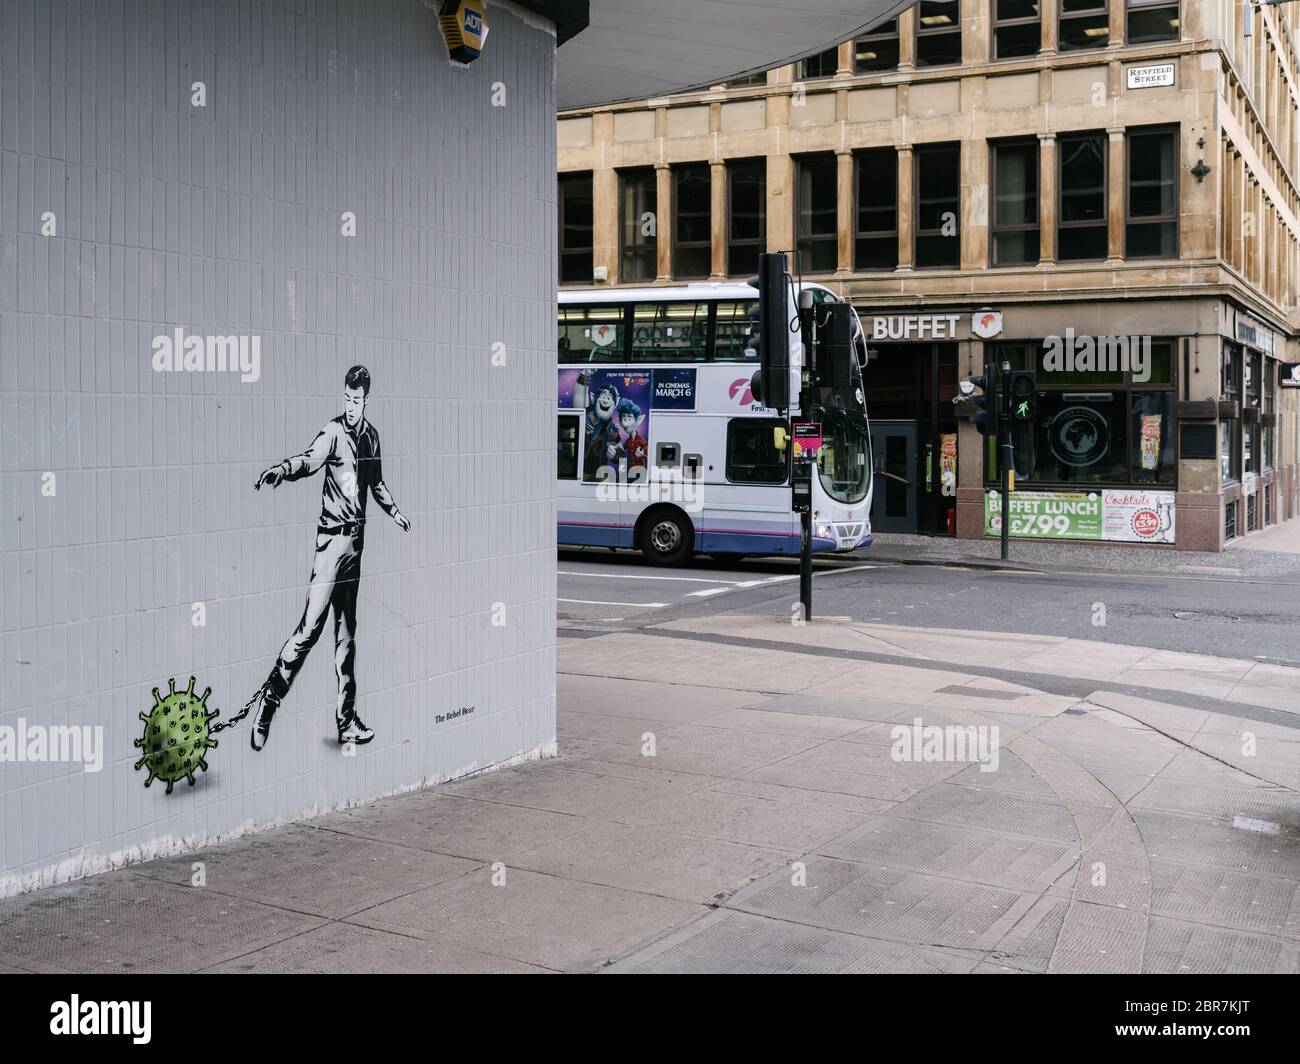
point(805, 564)
point(1007, 454)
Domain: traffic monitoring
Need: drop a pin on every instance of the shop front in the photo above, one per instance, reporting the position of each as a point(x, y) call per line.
point(1165, 422)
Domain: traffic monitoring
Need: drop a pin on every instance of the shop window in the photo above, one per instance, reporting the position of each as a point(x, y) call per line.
point(1083, 24)
point(938, 33)
point(1015, 203)
point(1251, 458)
point(1252, 512)
point(575, 228)
point(1017, 28)
point(746, 215)
point(1081, 230)
point(1095, 427)
point(817, 193)
point(752, 457)
point(1230, 520)
point(822, 65)
point(877, 50)
point(1151, 20)
point(1230, 458)
point(592, 334)
point(638, 225)
point(875, 234)
point(567, 446)
point(1268, 412)
point(737, 332)
point(1152, 195)
point(670, 332)
point(938, 205)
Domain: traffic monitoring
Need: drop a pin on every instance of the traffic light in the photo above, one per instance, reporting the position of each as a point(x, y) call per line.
point(1022, 386)
point(771, 384)
point(985, 417)
point(835, 356)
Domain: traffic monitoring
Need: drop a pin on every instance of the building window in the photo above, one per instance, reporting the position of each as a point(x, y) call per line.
point(638, 225)
point(875, 235)
point(566, 446)
point(1151, 20)
point(749, 81)
point(1152, 224)
point(816, 222)
point(1015, 203)
point(1017, 28)
point(938, 205)
point(878, 50)
point(822, 65)
point(746, 215)
point(938, 33)
point(752, 457)
point(1083, 24)
point(575, 228)
point(1081, 229)
point(1095, 426)
point(1230, 427)
point(692, 244)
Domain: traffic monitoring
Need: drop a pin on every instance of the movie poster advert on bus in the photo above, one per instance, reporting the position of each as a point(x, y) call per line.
point(618, 405)
point(1126, 515)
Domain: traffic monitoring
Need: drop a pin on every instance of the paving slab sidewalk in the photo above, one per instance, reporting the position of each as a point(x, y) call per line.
point(736, 805)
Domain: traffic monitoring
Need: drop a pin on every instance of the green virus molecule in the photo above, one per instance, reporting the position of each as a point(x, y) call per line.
point(176, 735)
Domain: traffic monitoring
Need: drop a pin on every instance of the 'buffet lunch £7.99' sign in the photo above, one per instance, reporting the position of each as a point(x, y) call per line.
point(1123, 515)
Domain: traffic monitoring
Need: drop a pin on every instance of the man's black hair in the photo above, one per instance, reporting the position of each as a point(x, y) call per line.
point(358, 377)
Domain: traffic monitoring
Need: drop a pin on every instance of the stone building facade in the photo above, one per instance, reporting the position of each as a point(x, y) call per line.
point(1102, 192)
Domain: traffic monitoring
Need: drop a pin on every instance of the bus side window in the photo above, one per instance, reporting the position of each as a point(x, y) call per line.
point(567, 446)
point(752, 457)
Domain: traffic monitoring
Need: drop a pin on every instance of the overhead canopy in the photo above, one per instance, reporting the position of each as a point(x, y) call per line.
point(643, 49)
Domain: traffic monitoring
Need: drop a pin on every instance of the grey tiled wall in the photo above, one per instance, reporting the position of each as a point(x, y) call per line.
point(226, 219)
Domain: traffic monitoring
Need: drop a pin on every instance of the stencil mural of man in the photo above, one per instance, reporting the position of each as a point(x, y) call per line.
point(348, 449)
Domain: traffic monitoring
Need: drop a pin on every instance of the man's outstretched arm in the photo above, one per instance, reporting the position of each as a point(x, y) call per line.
point(300, 465)
point(384, 497)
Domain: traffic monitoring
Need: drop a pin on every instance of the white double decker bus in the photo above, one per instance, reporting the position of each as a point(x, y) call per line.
point(662, 446)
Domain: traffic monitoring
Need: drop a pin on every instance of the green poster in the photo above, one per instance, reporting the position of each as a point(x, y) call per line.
point(1046, 514)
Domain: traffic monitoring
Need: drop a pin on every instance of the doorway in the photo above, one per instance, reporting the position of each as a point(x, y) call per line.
point(909, 389)
point(893, 503)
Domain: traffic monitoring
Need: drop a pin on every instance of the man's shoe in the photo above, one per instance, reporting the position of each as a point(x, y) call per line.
point(266, 707)
point(355, 732)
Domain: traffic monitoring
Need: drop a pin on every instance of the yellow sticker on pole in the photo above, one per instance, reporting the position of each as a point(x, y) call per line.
point(1011, 480)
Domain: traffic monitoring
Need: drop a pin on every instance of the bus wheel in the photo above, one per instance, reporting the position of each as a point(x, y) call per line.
point(666, 536)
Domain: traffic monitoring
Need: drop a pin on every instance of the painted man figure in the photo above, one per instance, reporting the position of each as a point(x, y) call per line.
point(348, 448)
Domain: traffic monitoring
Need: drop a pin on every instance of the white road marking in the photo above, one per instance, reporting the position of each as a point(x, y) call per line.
point(599, 602)
point(709, 591)
point(639, 576)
